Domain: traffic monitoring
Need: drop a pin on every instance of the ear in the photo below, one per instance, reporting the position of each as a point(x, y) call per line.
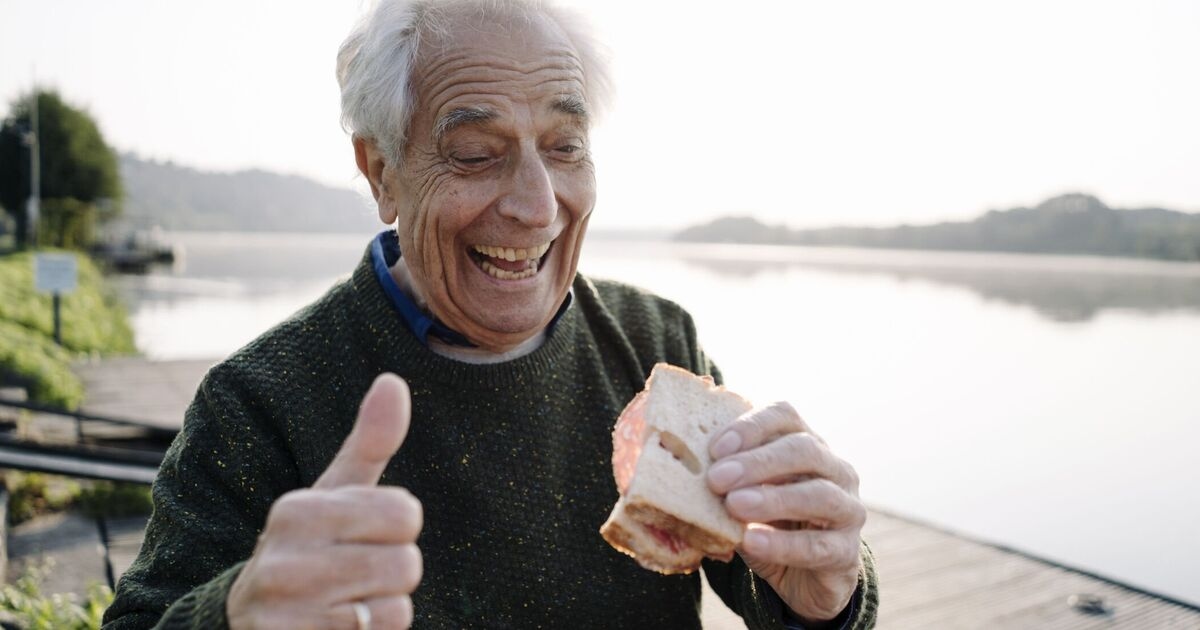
point(372, 165)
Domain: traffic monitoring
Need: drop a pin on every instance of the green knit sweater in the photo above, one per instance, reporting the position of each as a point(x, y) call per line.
point(511, 461)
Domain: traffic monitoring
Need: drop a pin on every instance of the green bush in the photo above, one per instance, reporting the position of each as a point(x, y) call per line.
point(24, 601)
point(113, 499)
point(93, 322)
point(42, 366)
point(32, 494)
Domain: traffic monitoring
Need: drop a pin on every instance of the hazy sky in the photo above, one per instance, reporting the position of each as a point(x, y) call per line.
point(809, 113)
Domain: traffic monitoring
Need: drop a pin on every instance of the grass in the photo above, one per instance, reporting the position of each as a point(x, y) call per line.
point(34, 610)
point(34, 494)
point(93, 323)
point(113, 499)
point(35, 361)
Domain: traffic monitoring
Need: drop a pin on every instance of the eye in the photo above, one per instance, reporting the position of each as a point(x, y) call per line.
point(470, 161)
point(569, 151)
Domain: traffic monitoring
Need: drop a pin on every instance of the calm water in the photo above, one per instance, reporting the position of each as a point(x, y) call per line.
point(1048, 403)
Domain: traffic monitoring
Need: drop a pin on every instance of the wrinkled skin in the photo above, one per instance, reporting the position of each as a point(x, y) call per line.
point(803, 506)
point(514, 172)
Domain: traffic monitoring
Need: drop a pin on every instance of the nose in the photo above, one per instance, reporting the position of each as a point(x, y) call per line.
point(530, 197)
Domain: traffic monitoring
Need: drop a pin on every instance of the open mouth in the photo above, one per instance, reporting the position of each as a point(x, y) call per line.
point(510, 263)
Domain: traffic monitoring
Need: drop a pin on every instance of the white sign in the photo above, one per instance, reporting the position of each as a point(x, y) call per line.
point(54, 273)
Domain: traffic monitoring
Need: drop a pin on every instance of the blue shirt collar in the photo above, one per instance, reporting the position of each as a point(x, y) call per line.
point(385, 251)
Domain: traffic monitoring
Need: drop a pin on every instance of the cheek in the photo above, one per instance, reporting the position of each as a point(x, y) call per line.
point(578, 191)
point(423, 208)
point(443, 222)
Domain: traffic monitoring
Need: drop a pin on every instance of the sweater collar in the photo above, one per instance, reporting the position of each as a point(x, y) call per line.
point(385, 251)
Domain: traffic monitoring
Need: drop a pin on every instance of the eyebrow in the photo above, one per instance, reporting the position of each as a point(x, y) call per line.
point(460, 116)
point(572, 105)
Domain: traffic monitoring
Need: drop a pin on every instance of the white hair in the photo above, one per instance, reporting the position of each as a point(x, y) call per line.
point(376, 63)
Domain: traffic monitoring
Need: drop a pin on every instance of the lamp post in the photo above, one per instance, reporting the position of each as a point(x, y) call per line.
point(33, 206)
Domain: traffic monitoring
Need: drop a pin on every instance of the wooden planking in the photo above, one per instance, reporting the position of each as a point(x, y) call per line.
point(1129, 609)
point(156, 392)
point(935, 579)
point(125, 537)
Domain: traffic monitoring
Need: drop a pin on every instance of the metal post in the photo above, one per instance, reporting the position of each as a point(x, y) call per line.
point(108, 567)
point(34, 209)
point(57, 319)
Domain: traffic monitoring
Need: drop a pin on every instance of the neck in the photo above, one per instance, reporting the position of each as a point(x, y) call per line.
point(482, 356)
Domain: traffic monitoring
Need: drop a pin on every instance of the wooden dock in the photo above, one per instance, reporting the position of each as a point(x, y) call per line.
point(930, 578)
point(155, 392)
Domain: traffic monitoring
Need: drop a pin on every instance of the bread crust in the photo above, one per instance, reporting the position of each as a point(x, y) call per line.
point(660, 463)
point(632, 539)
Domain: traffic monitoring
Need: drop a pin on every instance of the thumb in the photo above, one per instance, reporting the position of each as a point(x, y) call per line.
point(378, 433)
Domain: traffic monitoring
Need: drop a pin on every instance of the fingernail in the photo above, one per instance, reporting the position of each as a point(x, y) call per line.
point(727, 445)
point(725, 474)
point(755, 542)
point(744, 499)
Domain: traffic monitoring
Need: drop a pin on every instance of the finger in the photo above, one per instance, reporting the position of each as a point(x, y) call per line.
point(378, 432)
point(353, 572)
point(351, 514)
point(784, 459)
point(811, 549)
point(334, 574)
point(755, 428)
point(386, 613)
point(815, 501)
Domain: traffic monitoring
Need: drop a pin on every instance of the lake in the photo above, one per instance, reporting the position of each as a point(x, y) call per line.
point(1048, 403)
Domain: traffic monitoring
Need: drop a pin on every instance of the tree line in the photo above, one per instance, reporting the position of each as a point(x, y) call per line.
point(79, 179)
point(85, 184)
point(1074, 223)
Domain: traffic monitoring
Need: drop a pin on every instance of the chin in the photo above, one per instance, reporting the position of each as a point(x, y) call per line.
point(495, 313)
point(509, 324)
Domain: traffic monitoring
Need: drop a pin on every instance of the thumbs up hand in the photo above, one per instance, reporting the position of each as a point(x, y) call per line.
point(344, 551)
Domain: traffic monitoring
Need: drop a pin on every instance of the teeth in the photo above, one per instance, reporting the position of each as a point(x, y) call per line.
point(513, 254)
point(504, 274)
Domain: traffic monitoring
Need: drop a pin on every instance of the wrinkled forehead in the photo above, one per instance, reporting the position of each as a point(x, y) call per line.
point(522, 55)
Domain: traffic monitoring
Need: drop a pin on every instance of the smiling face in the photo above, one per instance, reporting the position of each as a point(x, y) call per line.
point(496, 184)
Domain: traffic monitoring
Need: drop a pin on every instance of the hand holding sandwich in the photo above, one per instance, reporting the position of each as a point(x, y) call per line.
point(771, 468)
point(702, 473)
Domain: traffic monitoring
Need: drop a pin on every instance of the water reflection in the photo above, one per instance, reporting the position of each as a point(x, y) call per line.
point(245, 267)
point(1062, 289)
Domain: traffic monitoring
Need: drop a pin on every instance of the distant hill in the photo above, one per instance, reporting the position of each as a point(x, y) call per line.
point(1068, 224)
point(180, 198)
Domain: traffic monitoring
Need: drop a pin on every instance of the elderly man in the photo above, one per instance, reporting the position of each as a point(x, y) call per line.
point(468, 493)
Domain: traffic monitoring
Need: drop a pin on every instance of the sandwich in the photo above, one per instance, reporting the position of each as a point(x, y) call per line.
point(666, 517)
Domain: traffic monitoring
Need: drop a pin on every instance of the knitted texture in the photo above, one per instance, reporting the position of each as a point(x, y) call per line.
point(512, 462)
